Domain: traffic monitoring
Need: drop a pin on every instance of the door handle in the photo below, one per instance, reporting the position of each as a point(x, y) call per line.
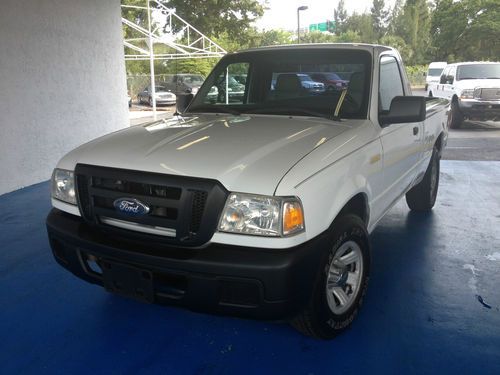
point(415, 130)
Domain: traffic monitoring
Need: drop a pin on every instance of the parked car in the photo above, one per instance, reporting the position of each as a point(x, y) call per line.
point(433, 73)
point(163, 96)
point(129, 99)
point(183, 83)
point(331, 81)
point(260, 208)
point(473, 89)
point(235, 91)
point(240, 78)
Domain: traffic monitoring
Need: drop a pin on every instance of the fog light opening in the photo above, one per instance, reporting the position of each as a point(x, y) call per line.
point(93, 264)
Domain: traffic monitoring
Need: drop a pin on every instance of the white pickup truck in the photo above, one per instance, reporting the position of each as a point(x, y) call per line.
point(473, 88)
point(259, 205)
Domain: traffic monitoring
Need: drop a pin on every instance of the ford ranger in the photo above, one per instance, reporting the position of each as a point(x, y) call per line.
point(259, 207)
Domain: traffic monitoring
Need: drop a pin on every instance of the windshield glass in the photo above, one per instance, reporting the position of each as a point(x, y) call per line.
point(279, 82)
point(478, 71)
point(194, 80)
point(435, 72)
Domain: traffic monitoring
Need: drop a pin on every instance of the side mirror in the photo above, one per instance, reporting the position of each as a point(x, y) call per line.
point(404, 109)
point(183, 101)
point(449, 80)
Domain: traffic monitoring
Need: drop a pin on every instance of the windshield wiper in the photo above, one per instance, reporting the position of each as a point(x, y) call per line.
point(212, 109)
point(291, 111)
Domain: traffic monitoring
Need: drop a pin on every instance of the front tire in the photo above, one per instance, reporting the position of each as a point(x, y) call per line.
point(455, 117)
point(422, 196)
point(342, 281)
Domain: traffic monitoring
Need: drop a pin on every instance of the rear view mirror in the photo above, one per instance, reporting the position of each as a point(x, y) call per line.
point(404, 109)
point(183, 101)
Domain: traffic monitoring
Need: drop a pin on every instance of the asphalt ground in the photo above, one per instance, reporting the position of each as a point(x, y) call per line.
point(475, 140)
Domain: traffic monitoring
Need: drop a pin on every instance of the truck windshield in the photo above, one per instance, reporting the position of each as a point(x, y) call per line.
point(478, 71)
point(435, 72)
point(281, 82)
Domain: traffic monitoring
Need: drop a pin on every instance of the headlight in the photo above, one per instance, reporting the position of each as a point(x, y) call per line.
point(467, 94)
point(63, 186)
point(262, 215)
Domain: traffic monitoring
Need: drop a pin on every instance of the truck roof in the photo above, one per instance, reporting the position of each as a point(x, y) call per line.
point(474, 62)
point(363, 46)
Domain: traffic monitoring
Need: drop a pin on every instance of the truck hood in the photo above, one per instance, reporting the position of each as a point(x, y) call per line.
point(473, 83)
point(245, 153)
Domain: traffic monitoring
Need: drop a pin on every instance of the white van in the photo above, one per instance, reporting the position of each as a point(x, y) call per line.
point(433, 73)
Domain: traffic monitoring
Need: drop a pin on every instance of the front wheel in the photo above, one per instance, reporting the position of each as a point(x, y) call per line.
point(455, 117)
point(422, 196)
point(342, 281)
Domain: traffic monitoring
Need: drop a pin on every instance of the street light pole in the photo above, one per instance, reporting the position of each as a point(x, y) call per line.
point(303, 7)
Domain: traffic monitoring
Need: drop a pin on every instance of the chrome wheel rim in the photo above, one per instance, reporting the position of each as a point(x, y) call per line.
point(343, 281)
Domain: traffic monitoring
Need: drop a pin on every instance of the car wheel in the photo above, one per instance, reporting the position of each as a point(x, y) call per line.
point(430, 94)
point(150, 101)
point(342, 281)
point(422, 196)
point(455, 117)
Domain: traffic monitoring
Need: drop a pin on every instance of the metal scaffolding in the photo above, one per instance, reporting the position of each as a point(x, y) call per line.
point(179, 39)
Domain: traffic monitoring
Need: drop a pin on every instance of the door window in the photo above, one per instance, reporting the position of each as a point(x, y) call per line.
point(390, 84)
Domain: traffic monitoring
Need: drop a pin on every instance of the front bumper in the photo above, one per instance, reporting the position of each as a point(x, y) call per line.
point(220, 279)
point(480, 109)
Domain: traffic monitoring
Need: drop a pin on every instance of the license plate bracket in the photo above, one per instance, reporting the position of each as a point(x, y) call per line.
point(128, 281)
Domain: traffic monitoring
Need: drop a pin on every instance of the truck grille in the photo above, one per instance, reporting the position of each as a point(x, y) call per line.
point(487, 93)
point(182, 210)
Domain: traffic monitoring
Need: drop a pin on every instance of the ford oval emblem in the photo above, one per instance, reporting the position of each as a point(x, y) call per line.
point(131, 206)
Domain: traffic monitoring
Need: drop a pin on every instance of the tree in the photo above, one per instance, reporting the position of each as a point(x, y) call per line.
point(379, 18)
point(412, 23)
point(362, 25)
point(216, 17)
point(466, 30)
point(340, 16)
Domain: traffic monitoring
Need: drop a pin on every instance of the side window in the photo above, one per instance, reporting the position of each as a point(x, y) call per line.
point(453, 73)
point(444, 74)
point(226, 88)
point(390, 83)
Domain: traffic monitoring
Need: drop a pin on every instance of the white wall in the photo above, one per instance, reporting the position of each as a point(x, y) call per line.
point(62, 82)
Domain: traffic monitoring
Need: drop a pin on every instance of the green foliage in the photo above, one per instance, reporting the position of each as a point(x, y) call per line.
point(217, 17)
point(466, 30)
point(363, 25)
point(380, 16)
point(340, 17)
point(422, 31)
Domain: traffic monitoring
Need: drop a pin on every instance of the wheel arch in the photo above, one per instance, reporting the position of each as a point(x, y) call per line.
point(356, 205)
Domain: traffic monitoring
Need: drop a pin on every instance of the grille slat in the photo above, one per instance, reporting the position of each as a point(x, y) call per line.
point(175, 202)
point(489, 93)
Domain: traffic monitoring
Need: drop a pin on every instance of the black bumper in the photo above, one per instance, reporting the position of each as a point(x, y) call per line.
point(483, 110)
point(220, 279)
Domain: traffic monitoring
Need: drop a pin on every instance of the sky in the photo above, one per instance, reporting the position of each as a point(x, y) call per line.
point(282, 14)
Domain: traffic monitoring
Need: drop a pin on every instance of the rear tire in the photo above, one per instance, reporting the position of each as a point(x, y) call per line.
point(342, 281)
point(455, 117)
point(422, 196)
